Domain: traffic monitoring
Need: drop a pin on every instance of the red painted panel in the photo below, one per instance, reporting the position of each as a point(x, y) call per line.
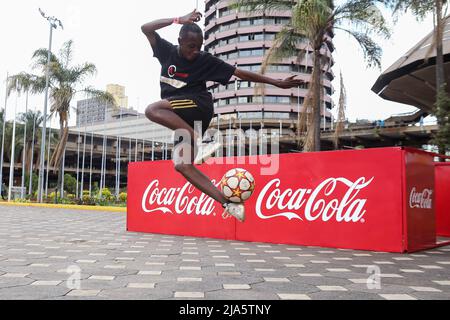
point(160, 200)
point(419, 200)
point(342, 199)
point(442, 178)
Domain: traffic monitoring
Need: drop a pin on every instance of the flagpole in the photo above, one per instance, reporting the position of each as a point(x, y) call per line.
point(3, 135)
point(22, 191)
point(11, 167)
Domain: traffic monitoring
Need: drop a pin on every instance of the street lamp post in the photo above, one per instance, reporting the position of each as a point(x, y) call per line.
point(3, 135)
point(53, 25)
point(13, 149)
point(30, 190)
point(22, 190)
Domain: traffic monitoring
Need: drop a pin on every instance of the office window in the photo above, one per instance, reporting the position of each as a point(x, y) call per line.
point(233, 55)
point(258, 22)
point(258, 37)
point(270, 99)
point(285, 100)
point(242, 100)
point(245, 53)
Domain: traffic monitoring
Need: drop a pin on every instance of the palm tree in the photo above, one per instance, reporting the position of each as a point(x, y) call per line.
point(420, 9)
point(65, 82)
point(313, 22)
point(31, 120)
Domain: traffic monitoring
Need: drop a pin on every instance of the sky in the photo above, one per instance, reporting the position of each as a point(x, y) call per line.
point(107, 33)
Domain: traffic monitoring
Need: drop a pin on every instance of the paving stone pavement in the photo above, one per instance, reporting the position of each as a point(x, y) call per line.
point(69, 254)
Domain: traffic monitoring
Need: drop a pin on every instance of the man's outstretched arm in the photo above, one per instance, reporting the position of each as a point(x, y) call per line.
point(287, 83)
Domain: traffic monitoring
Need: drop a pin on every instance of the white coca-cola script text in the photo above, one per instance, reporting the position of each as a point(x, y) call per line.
point(319, 203)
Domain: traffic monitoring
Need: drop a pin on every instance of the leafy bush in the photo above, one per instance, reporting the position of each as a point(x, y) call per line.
point(123, 197)
point(51, 196)
point(107, 195)
point(18, 200)
point(34, 180)
point(70, 183)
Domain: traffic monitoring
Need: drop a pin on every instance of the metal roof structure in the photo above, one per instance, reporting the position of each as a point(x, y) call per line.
point(412, 78)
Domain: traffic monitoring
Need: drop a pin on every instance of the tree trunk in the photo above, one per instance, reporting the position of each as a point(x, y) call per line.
point(58, 186)
point(60, 163)
point(440, 75)
point(317, 99)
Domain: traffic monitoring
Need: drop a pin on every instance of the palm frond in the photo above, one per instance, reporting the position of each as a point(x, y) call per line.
point(79, 73)
point(101, 95)
point(31, 117)
point(66, 53)
point(40, 57)
point(25, 82)
point(263, 5)
point(312, 17)
point(371, 50)
point(362, 15)
point(285, 45)
point(419, 8)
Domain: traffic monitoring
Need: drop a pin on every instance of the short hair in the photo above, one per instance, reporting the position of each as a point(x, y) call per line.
point(190, 27)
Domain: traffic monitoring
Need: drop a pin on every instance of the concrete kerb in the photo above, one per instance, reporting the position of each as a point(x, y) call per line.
point(64, 206)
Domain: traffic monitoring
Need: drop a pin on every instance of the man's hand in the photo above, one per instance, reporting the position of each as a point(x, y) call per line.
point(289, 83)
point(192, 17)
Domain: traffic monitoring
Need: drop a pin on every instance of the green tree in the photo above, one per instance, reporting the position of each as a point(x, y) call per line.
point(34, 182)
point(314, 22)
point(438, 8)
point(70, 183)
point(65, 82)
point(32, 120)
point(442, 112)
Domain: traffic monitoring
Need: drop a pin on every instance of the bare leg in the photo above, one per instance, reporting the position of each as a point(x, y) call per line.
point(195, 176)
point(162, 113)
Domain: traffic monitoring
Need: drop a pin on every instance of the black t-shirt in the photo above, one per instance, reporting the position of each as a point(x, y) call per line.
point(180, 76)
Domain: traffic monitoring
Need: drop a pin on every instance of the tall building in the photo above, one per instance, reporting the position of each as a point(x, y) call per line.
point(92, 111)
point(97, 117)
point(243, 39)
point(118, 93)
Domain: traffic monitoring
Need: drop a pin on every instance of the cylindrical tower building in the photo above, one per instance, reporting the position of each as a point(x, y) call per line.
point(243, 39)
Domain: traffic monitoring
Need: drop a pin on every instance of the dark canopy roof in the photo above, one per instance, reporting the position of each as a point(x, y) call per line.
point(412, 79)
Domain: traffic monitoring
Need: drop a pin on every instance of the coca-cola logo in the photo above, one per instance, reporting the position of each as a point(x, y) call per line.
point(421, 200)
point(319, 203)
point(180, 199)
point(272, 202)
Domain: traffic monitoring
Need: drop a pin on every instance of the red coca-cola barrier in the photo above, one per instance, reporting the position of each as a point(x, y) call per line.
point(374, 199)
point(442, 177)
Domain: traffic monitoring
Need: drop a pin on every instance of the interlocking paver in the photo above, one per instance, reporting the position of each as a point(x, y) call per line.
point(41, 249)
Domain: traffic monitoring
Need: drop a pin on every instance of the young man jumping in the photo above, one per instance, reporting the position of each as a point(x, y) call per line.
point(186, 100)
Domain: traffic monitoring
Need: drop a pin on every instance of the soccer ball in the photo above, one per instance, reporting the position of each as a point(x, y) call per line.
point(237, 185)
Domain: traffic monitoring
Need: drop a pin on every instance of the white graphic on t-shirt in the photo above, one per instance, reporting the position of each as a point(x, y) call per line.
point(172, 71)
point(173, 82)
